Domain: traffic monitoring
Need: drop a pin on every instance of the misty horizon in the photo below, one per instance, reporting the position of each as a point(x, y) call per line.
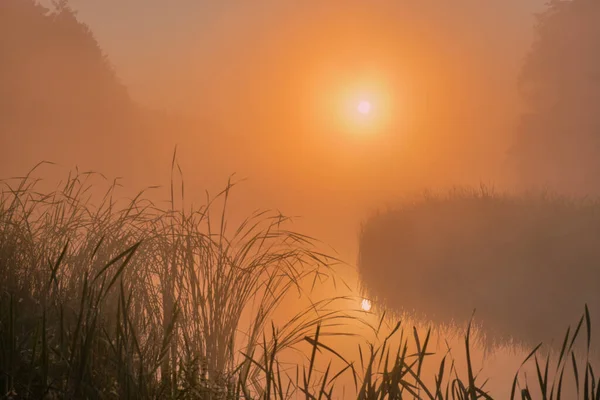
point(444, 152)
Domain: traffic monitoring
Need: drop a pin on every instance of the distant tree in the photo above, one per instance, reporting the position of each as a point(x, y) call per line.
point(58, 90)
point(558, 141)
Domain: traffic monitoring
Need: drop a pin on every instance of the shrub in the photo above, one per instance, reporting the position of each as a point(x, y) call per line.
point(128, 300)
point(526, 263)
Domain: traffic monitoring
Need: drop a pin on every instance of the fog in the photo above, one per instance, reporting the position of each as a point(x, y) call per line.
point(255, 89)
point(267, 92)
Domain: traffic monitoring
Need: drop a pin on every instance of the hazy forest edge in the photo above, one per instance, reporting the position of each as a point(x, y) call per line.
point(104, 296)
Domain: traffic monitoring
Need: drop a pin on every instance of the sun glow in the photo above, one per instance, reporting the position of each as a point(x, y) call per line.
point(364, 107)
point(356, 104)
point(365, 305)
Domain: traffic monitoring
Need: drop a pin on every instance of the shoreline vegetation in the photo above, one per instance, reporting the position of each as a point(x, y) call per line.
point(527, 262)
point(127, 300)
point(109, 298)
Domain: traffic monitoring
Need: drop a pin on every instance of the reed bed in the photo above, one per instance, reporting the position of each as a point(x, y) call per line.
point(111, 294)
point(527, 263)
point(104, 299)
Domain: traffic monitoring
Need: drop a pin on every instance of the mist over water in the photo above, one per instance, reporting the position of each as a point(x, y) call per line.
point(461, 93)
point(253, 89)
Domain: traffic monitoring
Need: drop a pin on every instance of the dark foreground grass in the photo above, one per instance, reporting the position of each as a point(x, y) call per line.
point(526, 263)
point(130, 301)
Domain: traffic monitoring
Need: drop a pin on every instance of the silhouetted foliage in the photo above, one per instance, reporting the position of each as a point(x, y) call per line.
point(57, 87)
point(558, 142)
point(525, 263)
point(82, 304)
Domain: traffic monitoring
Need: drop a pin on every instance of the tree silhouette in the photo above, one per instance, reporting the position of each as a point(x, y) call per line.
point(58, 90)
point(558, 140)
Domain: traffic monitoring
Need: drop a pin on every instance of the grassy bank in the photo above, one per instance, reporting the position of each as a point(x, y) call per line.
point(527, 263)
point(130, 298)
point(102, 298)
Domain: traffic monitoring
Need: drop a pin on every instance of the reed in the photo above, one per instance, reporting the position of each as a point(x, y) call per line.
point(526, 262)
point(110, 299)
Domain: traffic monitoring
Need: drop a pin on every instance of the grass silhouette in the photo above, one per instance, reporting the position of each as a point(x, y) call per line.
point(127, 300)
point(527, 263)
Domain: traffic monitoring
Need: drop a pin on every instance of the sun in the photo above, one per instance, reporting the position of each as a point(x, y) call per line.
point(364, 107)
point(365, 305)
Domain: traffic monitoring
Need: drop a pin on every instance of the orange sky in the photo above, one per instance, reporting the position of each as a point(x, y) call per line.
point(267, 90)
point(262, 85)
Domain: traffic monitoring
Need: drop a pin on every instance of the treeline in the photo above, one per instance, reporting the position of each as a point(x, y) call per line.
point(60, 97)
point(558, 138)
